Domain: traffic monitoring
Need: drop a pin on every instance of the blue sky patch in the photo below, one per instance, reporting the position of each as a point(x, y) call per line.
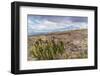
point(43, 24)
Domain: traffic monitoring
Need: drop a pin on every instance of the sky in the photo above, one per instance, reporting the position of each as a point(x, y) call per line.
point(43, 24)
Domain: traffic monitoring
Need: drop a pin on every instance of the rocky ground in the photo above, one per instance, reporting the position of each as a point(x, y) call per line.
point(75, 43)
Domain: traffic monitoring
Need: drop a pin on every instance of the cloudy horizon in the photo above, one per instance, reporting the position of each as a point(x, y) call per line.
point(42, 24)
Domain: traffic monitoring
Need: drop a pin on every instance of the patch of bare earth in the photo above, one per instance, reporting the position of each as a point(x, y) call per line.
point(75, 43)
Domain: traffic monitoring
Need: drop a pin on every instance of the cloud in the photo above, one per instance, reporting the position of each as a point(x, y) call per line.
point(45, 26)
point(38, 26)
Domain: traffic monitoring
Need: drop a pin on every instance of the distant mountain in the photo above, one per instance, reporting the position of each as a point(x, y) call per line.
point(66, 28)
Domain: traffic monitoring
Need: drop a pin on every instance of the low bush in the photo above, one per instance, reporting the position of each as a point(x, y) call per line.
point(47, 50)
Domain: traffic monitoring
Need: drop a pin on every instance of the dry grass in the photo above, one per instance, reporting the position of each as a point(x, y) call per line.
point(64, 45)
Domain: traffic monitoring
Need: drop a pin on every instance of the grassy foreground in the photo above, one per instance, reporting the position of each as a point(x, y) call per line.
point(64, 45)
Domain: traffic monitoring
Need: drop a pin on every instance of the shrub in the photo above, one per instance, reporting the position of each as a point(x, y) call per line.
point(47, 50)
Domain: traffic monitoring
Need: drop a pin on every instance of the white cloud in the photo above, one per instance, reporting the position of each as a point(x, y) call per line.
point(46, 25)
point(49, 26)
point(30, 21)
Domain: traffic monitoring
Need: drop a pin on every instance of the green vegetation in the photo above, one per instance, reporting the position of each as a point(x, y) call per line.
point(60, 45)
point(47, 50)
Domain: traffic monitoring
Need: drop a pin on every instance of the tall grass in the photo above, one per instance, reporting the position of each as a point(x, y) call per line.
point(47, 50)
